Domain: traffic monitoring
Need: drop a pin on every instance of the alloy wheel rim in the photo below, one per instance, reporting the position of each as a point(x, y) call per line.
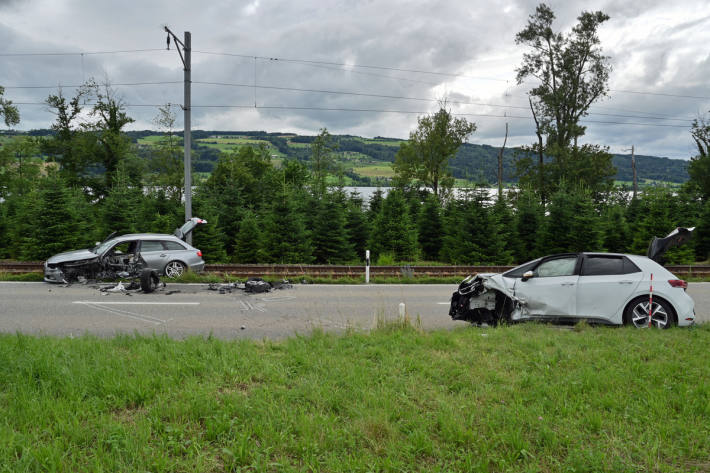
point(639, 316)
point(173, 270)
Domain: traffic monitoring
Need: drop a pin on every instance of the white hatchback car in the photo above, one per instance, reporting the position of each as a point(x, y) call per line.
point(604, 288)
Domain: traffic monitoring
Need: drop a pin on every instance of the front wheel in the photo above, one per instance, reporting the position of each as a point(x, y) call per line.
point(174, 269)
point(637, 313)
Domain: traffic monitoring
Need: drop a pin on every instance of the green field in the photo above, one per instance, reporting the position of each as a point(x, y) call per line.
point(526, 398)
point(375, 170)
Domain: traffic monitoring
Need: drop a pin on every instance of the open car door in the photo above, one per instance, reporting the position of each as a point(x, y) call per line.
point(185, 230)
point(659, 246)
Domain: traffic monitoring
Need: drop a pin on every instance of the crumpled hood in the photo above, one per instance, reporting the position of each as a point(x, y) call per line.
point(498, 282)
point(75, 255)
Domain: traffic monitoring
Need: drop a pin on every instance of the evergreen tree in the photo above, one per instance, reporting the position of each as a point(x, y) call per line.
point(501, 245)
point(375, 204)
point(208, 237)
point(616, 231)
point(392, 230)
point(655, 217)
point(248, 242)
point(357, 227)
point(573, 224)
point(119, 210)
point(47, 221)
point(456, 246)
point(528, 226)
point(287, 240)
point(471, 230)
point(431, 228)
point(330, 241)
point(702, 234)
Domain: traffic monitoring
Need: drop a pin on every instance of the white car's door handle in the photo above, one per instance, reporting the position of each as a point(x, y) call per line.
point(567, 284)
point(163, 255)
point(626, 282)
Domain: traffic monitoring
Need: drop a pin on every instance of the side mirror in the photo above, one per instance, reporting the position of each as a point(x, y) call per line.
point(527, 275)
point(98, 243)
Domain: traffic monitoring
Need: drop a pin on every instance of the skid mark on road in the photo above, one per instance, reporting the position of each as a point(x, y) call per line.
point(123, 313)
point(246, 305)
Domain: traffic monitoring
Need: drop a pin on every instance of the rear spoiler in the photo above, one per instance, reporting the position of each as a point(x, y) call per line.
point(659, 246)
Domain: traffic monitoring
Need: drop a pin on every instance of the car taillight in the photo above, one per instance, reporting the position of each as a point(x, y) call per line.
point(678, 283)
point(199, 253)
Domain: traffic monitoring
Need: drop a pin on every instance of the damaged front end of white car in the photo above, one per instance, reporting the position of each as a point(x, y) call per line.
point(485, 299)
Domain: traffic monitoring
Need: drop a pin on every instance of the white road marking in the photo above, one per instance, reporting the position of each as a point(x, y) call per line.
point(125, 313)
point(134, 303)
point(443, 303)
point(277, 299)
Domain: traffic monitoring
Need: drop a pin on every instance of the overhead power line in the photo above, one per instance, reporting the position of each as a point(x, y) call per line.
point(396, 97)
point(422, 71)
point(373, 110)
point(342, 64)
point(77, 86)
point(86, 53)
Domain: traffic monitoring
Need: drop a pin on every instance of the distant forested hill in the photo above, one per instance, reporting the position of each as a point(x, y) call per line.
point(366, 160)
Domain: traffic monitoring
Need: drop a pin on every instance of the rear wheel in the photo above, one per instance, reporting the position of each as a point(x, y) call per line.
point(174, 269)
point(637, 313)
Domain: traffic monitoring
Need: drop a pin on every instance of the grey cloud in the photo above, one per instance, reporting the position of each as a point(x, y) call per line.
point(447, 36)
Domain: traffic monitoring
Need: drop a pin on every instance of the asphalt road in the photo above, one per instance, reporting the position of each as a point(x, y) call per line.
point(40, 308)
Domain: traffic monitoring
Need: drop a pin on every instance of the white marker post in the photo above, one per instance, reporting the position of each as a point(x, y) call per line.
point(650, 304)
point(367, 266)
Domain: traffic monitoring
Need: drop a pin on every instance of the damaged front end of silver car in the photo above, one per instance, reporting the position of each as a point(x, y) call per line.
point(484, 299)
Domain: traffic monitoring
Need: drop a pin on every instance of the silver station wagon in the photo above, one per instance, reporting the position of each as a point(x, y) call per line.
point(126, 256)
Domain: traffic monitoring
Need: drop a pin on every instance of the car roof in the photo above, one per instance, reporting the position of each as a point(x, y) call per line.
point(145, 236)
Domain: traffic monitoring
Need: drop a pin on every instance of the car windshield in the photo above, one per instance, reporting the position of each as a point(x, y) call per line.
point(103, 247)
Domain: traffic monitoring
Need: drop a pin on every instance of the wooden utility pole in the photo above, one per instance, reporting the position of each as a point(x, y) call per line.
point(500, 164)
point(633, 169)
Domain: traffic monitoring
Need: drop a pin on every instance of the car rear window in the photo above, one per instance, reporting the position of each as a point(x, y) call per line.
point(607, 265)
point(148, 245)
point(173, 245)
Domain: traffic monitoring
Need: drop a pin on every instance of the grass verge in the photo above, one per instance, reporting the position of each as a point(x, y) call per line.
point(523, 398)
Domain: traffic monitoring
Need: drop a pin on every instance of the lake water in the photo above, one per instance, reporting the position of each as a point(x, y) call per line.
point(367, 192)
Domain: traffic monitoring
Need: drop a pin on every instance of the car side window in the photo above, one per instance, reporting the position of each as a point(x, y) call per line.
point(520, 270)
point(556, 267)
point(173, 245)
point(151, 245)
point(607, 266)
point(124, 248)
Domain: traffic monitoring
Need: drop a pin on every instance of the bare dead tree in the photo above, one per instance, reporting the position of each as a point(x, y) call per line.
point(500, 164)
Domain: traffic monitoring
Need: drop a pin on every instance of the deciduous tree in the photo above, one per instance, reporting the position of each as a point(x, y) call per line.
point(424, 159)
point(571, 72)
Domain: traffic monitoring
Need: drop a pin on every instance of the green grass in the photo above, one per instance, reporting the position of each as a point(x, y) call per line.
point(526, 398)
point(28, 277)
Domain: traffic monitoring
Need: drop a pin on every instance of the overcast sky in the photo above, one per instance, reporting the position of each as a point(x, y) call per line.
point(465, 50)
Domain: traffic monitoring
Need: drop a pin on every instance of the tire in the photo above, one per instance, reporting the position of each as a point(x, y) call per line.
point(636, 313)
point(149, 280)
point(174, 269)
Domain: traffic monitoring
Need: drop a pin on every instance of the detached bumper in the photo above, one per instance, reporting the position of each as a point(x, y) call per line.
point(53, 275)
